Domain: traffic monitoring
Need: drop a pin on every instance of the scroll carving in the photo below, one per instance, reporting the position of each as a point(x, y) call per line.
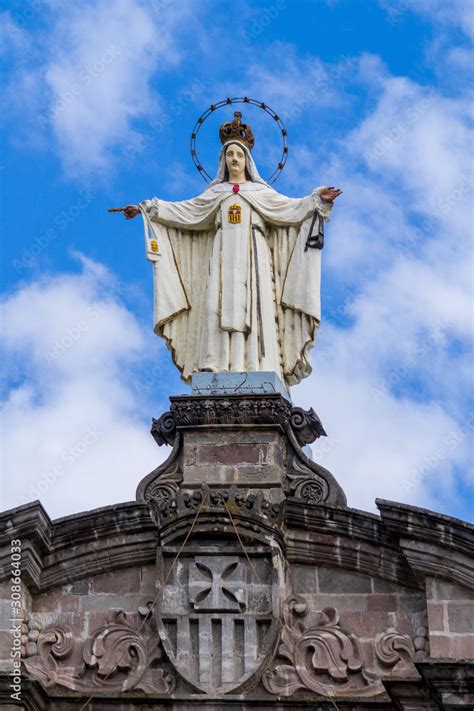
point(321, 656)
point(306, 425)
point(395, 650)
point(306, 484)
point(163, 430)
point(121, 655)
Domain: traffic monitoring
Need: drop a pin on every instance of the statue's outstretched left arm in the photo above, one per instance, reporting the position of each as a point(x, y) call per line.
point(282, 210)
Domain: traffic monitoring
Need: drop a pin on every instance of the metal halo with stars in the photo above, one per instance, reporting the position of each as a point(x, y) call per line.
point(240, 100)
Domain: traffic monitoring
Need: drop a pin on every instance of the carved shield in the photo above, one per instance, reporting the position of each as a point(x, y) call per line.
point(216, 619)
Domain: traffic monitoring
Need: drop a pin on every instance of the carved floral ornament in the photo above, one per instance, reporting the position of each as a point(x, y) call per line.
point(320, 656)
point(169, 502)
point(122, 654)
point(315, 653)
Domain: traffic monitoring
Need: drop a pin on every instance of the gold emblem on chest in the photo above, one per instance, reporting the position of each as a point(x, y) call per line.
point(234, 214)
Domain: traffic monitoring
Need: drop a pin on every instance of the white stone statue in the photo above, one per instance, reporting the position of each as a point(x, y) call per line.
point(236, 277)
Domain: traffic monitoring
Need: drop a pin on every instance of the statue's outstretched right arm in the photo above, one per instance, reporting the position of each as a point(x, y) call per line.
point(195, 214)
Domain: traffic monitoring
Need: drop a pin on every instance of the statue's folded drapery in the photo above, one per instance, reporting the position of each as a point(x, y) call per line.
point(237, 295)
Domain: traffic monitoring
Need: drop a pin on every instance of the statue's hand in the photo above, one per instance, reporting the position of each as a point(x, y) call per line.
point(330, 194)
point(131, 211)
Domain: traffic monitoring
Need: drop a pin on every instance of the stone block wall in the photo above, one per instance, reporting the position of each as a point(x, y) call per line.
point(450, 619)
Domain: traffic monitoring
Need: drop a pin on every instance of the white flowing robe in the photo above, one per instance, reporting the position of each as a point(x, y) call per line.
point(236, 297)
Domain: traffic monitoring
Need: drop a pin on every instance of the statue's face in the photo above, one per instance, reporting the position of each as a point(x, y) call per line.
point(235, 161)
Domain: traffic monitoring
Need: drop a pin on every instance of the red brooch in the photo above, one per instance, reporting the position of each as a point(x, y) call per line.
point(236, 188)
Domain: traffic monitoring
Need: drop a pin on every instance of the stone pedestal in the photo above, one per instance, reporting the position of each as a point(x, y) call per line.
point(253, 441)
point(239, 579)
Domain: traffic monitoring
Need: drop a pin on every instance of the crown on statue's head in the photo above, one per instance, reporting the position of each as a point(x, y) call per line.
point(237, 131)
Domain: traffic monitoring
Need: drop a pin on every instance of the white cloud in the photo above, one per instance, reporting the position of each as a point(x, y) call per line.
point(73, 429)
point(86, 76)
point(392, 386)
point(13, 37)
point(455, 14)
point(378, 445)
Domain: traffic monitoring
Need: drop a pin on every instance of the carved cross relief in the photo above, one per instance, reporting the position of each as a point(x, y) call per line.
point(217, 584)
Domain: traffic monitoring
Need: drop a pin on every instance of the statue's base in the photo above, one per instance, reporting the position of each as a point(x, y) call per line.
point(250, 440)
point(246, 383)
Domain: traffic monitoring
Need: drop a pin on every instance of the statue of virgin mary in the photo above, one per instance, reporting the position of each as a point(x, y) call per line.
point(236, 270)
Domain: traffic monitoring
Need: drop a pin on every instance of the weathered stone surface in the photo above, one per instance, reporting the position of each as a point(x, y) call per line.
point(453, 683)
point(60, 599)
point(125, 581)
point(342, 581)
point(461, 618)
point(382, 603)
point(434, 545)
point(304, 579)
point(253, 458)
point(412, 603)
point(410, 695)
point(449, 646)
point(436, 616)
point(5, 645)
point(269, 591)
point(439, 589)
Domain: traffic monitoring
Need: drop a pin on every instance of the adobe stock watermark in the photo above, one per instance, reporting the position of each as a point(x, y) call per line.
point(396, 8)
point(71, 455)
point(174, 108)
point(74, 334)
point(60, 223)
point(446, 204)
point(265, 19)
point(26, 12)
point(157, 6)
point(420, 350)
point(85, 76)
point(412, 115)
point(448, 445)
point(16, 619)
point(325, 81)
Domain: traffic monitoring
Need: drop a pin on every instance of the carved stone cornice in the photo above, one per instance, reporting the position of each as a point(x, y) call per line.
point(451, 681)
point(58, 552)
point(432, 543)
point(198, 410)
point(255, 516)
point(32, 525)
point(344, 537)
point(34, 697)
point(61, 551)
point(270, 409)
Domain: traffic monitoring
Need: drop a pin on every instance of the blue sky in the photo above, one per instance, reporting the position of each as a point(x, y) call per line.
point(101, 98)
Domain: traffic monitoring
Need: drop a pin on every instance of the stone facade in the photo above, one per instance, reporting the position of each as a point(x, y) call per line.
point(239, 578)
